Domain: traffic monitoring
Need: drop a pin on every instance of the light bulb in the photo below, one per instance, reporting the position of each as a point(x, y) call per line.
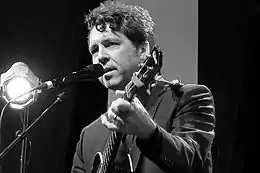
point(17, 87)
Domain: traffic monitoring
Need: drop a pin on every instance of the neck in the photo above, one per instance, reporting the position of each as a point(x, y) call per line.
point(111, 97)
point(142, 95)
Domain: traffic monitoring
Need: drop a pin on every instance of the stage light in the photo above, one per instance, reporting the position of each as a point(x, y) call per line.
point(16, 81)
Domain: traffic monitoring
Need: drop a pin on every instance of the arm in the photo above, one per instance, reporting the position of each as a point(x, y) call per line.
point(186, 147)
point(78, 163)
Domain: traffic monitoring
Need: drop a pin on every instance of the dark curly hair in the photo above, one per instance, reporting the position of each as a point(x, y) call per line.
point(133, 21)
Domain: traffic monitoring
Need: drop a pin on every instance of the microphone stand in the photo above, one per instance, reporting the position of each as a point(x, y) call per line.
point(23, 135)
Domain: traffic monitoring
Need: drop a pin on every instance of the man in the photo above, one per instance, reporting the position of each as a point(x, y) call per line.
point(169, 126)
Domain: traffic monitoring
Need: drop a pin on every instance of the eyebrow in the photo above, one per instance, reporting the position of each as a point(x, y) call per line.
point(105, 41)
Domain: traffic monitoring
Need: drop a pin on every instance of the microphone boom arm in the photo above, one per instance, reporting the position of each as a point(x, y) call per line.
point(22, 135)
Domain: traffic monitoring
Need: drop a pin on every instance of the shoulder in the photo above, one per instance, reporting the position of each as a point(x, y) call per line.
point(180, 89)
point(188, 92)
point(193, 89)
point(196, 96)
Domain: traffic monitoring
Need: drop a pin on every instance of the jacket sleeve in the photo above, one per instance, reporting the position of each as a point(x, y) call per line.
point(78, 162)
point(186, 147)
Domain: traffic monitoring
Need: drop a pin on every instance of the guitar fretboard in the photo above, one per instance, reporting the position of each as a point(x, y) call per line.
point(110, 151)
point(114, 138)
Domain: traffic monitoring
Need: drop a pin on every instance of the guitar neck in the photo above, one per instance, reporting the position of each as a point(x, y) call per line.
point(114, 138)
point(110, 150)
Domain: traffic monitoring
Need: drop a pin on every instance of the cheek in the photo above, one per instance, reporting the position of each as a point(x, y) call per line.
point(132, 64)
point(127, 61)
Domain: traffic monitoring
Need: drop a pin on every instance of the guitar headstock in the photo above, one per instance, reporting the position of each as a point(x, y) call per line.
point(146, 72)
point(151, 66)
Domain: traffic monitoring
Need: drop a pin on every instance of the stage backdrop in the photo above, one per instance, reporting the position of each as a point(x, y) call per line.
point(177, 35)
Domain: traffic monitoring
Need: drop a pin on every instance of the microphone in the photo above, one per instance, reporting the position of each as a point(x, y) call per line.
point(90, 72)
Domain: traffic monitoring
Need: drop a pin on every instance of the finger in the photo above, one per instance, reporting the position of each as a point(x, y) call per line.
point(107, 124)
point(118, 120)
point(136, 102)
point(121, 105)
point(137, 106)
point(120, 93)
point(113, 115)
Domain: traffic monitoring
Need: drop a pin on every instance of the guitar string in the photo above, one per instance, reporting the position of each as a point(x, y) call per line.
point(112, 140)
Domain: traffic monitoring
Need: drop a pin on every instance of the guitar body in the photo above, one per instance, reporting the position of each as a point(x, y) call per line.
point(99, 166)
point(97, 163)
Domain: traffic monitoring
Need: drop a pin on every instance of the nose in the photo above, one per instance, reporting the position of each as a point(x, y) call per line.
point(103, 57)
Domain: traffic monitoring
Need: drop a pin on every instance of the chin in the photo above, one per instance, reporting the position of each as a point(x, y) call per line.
point(113, 84)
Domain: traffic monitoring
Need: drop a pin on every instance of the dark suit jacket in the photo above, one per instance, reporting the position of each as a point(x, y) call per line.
point(181, 143)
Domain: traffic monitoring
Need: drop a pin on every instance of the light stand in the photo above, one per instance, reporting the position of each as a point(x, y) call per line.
point(23, 158)
point(23, 134)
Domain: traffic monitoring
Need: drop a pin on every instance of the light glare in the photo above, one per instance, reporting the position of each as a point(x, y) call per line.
point(18, 86)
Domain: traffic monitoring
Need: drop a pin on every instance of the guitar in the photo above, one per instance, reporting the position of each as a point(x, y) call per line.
point(103, 162)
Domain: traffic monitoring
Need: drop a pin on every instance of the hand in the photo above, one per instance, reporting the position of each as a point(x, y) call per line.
point(128, 118)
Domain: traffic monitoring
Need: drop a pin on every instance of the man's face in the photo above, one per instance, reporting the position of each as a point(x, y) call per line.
point(116, 53)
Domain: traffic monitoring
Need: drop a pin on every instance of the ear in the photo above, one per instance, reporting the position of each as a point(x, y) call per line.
point(144, 50)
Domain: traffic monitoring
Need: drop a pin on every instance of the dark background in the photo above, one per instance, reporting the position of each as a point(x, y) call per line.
point(48, 36)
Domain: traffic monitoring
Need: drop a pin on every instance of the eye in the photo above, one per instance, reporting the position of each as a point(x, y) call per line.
point(112, 43)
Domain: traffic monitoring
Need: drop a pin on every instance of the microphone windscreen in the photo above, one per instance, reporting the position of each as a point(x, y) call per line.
point(93, 70)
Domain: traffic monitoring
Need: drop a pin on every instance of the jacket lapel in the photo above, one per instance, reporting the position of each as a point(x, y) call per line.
point(152, 106)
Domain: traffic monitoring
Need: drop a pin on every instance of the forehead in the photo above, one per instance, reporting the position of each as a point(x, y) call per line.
point(96, 35)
